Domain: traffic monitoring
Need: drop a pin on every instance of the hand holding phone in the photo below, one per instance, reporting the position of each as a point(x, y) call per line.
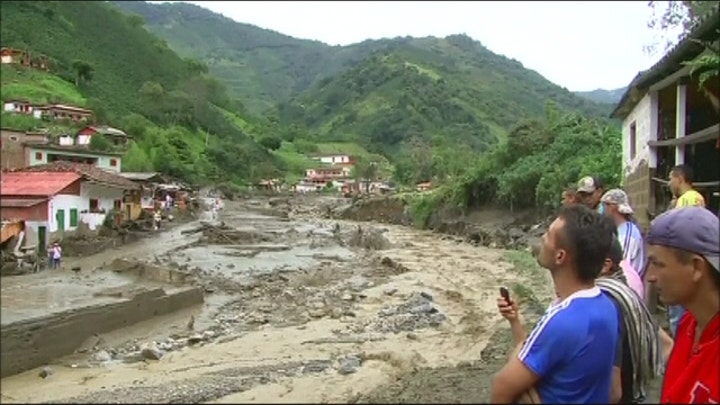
point(505, 294)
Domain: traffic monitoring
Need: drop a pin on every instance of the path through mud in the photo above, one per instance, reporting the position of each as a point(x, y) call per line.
point(301, 309)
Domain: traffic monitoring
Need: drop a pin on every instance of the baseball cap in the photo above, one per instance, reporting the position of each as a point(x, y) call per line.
point(692, 229)
point(619, 198)
point(588, 184)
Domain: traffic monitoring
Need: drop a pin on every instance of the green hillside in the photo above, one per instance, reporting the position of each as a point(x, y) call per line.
point(107, 61)
point(445, 93)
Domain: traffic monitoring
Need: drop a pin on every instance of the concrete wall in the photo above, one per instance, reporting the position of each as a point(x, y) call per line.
point(66, 203)
point(640, 116)
point(35, 342)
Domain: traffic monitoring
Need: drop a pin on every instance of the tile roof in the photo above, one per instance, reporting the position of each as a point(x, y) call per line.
point(9, 202)
point(35, 184)
point(87, 171)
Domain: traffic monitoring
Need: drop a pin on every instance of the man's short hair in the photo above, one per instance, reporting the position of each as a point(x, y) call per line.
point(587, 236)
point(684, 171)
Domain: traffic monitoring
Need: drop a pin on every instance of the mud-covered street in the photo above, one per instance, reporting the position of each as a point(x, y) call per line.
point(297, 308)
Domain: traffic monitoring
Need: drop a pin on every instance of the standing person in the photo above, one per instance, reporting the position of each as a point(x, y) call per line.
point(589, 192)
point(156, 219)
point(566, 357)
point(684, 264)
point(569, 197)
point(618, 209)
point(56, 255)
point(681, 178)
point(641, 356)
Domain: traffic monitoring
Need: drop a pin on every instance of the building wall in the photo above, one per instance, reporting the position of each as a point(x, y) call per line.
point(66, 203)
point(11, 155)
point(106, 196)
point(103, 162)
point(640, 115)
point(335, 159)
point(638, 170)
point(37, 212)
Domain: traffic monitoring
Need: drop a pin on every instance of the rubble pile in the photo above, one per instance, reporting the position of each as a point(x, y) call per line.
point(417, 312)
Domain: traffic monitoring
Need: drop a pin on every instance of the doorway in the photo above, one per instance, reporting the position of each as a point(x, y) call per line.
point(42, 241)
point(60, 217)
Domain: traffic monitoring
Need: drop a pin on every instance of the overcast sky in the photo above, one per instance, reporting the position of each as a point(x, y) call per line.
point(578, 45)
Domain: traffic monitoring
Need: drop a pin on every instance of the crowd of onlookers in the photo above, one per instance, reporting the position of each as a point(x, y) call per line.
point(598, 342)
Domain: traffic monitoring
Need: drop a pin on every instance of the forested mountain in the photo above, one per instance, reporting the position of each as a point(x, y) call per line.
point(603, 96)
point(105, 60)
point(263, 67)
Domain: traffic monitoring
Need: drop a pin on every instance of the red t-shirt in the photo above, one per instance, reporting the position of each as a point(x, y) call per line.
point(693, 371)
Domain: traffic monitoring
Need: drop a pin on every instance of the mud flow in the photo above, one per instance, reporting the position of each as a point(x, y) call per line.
point(272, 302)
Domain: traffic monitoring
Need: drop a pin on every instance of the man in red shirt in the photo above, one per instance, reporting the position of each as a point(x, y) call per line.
point(684, 264)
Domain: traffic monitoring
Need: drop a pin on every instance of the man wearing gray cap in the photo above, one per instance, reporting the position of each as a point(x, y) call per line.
point(684, 264)
point(589, 191)
point(617, 208)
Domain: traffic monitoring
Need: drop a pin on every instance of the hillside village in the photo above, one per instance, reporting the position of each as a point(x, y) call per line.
point(280, 220)
point(54, 183)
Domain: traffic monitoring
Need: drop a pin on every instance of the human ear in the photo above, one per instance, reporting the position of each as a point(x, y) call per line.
point(697, 264)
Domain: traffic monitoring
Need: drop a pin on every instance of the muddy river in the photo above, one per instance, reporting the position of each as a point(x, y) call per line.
point(297, 308)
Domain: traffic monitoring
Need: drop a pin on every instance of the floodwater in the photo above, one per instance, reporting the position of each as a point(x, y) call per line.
point(342, 320)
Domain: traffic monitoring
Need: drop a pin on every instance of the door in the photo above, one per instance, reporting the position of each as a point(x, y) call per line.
point(128, 212)
point(60, 217)
point(42, 241)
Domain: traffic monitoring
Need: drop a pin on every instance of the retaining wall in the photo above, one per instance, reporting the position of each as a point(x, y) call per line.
point(31, 343)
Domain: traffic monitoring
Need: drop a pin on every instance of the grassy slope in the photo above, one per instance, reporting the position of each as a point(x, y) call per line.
point(38, 87)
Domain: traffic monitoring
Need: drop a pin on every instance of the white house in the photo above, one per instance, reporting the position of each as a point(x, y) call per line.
point(333, 158)
point(668, 119)
point(64, 195)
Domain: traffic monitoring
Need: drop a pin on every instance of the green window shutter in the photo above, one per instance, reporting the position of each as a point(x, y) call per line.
point(74, 217)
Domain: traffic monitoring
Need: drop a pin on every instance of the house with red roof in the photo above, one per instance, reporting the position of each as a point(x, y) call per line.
point(55, 198)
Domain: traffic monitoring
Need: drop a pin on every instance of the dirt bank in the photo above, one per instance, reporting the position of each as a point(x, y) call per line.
point(303, 309)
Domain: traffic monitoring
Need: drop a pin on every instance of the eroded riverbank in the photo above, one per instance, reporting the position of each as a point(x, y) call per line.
point(303, 309)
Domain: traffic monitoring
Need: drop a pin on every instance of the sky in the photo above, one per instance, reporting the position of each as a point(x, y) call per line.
point(578, 45)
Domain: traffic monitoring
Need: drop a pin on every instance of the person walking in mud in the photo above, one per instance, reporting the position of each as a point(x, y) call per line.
point(569, 356)
point(157, 217)
point(618, 209)
point(684, 264)
point(55, 255)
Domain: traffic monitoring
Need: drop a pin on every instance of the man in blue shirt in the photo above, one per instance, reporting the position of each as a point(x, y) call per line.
point(570, 355)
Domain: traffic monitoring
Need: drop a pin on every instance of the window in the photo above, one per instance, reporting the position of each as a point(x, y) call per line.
point(38, 155)
point(117, 204)
point(14, 138)
point(94, 206)
point(633, 140)
point(113, 162)
point(73, 217)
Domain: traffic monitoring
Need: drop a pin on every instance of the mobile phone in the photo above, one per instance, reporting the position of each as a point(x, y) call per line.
point(505, 294)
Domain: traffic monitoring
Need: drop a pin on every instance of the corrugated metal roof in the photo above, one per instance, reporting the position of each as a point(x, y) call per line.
point(35, 183)
point(9, 202)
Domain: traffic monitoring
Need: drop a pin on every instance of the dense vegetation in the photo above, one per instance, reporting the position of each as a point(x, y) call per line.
point(131, 79)
point(263, 67)
point(531, 168)
point(437, 108)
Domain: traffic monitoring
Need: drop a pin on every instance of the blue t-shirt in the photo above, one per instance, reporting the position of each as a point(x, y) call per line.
point(573, 349)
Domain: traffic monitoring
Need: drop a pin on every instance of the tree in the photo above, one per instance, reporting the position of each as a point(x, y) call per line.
point(83, 71)
point(99, 143)
point(682, 17)
point(271, 142)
